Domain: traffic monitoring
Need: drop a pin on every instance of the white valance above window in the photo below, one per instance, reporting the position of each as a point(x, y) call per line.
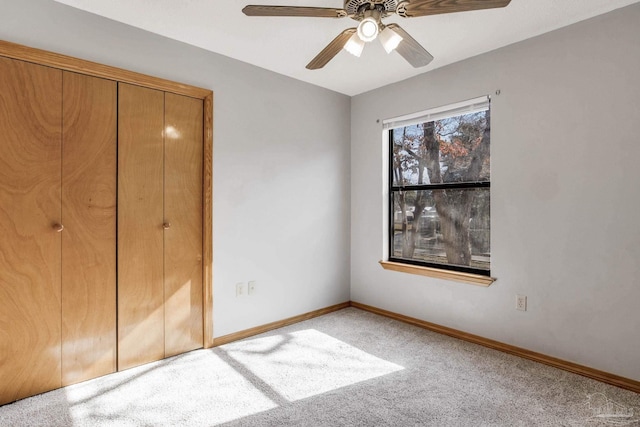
point(465, 107)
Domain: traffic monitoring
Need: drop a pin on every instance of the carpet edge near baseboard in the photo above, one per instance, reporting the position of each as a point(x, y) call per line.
point(236, 336)
point(585, 371)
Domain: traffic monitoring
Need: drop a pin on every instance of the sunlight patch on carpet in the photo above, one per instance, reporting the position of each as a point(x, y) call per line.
point(307, 363)
point(207, 387)
point(196, 388)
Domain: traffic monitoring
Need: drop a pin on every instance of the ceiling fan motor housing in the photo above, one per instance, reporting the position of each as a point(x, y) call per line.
point(355, 8)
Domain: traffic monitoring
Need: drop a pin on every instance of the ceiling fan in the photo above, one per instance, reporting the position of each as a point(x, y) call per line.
point(369, 14)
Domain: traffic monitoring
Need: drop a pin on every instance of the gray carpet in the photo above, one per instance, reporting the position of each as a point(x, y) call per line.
point(348, 368)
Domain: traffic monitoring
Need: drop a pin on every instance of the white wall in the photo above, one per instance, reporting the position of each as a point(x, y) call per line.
point(565, 149)
point(281, 162)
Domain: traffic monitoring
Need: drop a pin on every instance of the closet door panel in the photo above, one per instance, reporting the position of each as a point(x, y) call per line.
point(140, 232)
point(89, 215)
point(183, 210)
point(30, 138)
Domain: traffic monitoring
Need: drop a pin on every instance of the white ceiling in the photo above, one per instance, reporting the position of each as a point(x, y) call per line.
point(285, 45)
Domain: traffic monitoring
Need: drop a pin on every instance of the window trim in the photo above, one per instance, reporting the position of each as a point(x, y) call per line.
point(444, 271)
point(438, 273)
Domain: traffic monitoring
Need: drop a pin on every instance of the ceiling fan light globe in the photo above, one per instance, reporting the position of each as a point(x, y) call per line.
point(354, 45)
point(389, 39)
point(368, 29)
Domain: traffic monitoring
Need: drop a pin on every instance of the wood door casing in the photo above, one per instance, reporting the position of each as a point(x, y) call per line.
point(89, 179)
point(140, 232)
point(183, 210)
point(30, 160)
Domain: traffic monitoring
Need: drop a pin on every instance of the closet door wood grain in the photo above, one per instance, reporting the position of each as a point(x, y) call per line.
point(89, 215)
point(183, 210)
point(30, 150)
point(140, 232)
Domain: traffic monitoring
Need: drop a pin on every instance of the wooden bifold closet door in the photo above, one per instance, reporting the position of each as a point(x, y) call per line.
point(57, 221)
point(89, 163)
point(159, 225)
point(183, 210)
point(30, 180)
point(104, 186)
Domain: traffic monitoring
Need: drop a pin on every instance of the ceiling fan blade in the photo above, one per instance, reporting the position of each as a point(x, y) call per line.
point(331, 50)
point(312, 12)
point(413, 8)
point(410, 49)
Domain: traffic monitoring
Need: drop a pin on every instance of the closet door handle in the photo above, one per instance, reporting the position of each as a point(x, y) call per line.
point(58, 227)
point(166, 225)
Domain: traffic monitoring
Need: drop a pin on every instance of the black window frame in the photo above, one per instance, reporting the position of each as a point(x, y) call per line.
point(439, 186)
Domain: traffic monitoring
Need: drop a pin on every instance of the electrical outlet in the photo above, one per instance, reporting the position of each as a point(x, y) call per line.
point(240, 290)
point(251, 287)
point(521, 302)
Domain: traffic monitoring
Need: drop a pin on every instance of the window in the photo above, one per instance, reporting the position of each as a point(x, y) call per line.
point(439, 188)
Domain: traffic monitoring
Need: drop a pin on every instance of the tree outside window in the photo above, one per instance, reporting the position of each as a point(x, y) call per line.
point(439, 177)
